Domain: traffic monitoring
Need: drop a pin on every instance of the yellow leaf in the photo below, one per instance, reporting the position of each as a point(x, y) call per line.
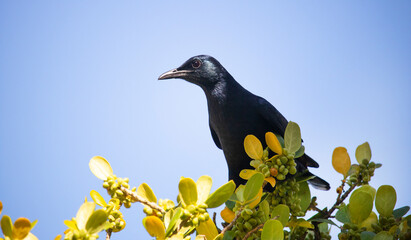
point(84, 212)
point(204, 184)
point(21, 229)
point(300, 223)
point(1, 207)
point(253, 147)
point(367, 223)
point(257, 198)
point(31, 236)
point(341, 160)
point(100, 167)
point(154, 227)
point(97, 198)
point(58, 237)
point(219, 237)
point(188, 191)
point(71, 224)
point(273, 143)
point(247, 173)
point(270, 180)
point(208, 229)
point(227, 215)
point(146, 192)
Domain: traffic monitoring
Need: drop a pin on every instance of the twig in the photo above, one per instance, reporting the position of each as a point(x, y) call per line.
point(257, 228)
point(339, 201)
point(253, 231)
point(317, 209)
point(137, 198)
point(317, 234)
point(229, 226)
point(108, 234)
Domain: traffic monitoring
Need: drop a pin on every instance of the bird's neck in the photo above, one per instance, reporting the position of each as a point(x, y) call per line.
point(221, 92)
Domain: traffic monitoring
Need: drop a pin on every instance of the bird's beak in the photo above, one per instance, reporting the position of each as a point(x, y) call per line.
point(175, 73)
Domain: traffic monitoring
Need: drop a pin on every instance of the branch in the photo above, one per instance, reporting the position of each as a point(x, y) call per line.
point(108, 234)
point(229, 226)
point(340, 200)
point(253, 231)
point(135, 197)
point(257, 228)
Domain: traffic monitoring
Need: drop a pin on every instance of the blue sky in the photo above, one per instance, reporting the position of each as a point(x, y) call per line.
point(79, 79)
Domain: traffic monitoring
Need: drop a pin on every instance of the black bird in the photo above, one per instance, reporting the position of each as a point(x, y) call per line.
point(234, 113)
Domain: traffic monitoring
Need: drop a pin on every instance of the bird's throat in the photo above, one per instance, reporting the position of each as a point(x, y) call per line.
point(219, 92)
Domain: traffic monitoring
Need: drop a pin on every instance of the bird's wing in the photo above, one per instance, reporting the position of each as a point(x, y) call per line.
point(278, 123)
point(276, 120)
point(215, 137)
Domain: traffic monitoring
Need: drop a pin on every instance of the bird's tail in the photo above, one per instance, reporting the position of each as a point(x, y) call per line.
point(307, 161)
point(319, 183)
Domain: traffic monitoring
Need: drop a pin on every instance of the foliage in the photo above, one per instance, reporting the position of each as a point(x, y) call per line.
point(20, 230)
point(271, 205)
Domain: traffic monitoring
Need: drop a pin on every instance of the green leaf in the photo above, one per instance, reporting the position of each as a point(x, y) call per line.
point(253, 147)
point(305, 195)
point(96, 221)
point(208, 229)
point(363, 152)
point(230, 203)
point(367, 235)
point(154, 227)
point(281, 140)
point(21, 228)
point(400, 212)
point(188, 191)
point(252, 186)
point(239, 193)
point(145, 191)
point(204, 184)
point(355, 168)
point(229, 235)
point(368, 189)
point(383, 235)
point(342, 214)
point(323, 227)
point(292, 137)
point(266, 210)
point(283, 213)
point(6, 226)
point(84, 213)
point(385, 200)
point(300, 152)
point(272, 230)
point(323, 220)
point(360, 207)
point(173, 222)
point(97, 198)
point(100, 167)
point(341, 160)
point(220, 195)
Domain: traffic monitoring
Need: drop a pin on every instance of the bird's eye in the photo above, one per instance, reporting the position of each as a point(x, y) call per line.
point(196, 63)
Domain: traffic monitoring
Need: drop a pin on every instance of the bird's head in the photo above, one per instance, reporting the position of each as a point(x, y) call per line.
point(201, 70)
